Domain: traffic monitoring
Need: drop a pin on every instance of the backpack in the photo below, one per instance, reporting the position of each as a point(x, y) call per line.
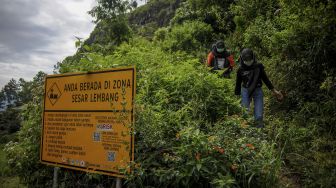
point(217, 60)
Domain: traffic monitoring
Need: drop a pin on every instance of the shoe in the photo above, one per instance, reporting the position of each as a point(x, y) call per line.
point(259, 123)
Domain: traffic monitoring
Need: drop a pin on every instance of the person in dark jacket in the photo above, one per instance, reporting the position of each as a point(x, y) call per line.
point(220, 59)
point(251, 74)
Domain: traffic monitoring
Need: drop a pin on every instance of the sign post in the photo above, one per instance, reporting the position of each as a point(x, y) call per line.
point(55, 178)
point(88, 121)
point(118, 183)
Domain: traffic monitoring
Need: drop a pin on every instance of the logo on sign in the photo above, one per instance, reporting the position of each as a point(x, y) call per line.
point(82, 163)
point(54, 93)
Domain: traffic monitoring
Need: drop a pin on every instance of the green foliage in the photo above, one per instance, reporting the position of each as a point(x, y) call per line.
point(155, 11)
point(24, 94)
point(254, 21)
point(103, 40)
point(258, 35)
point(23, 156)
point(10, 120)
point(146, 19)
point(2, 99)
point(308, 151)
point(312, 58)
point(112, 32)
point(3, 167)
point(110, 9)
point(178, 105)
point(214, 13)
point(219, 157)
point(186, 135)
point(191, 37)
point(9, 93)
point(160, 34)
point(189, 132)
point(6, 178)
point(13, 95)
point(147, 30)
point(16, 93)
point(248, 10)
point(6, 137)
point(289, 38)
point(112, 29)
point(11, 182)
point(169, 95)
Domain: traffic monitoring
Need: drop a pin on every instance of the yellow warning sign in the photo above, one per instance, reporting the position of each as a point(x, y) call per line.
point(88, 120)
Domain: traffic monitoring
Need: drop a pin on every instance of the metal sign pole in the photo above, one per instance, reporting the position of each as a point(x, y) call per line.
point(118, 184)
point(55, 179)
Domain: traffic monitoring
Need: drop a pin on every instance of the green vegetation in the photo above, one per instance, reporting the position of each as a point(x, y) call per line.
point(6, 178)
point(145, 20)
point(3, 161)
point(189, 127)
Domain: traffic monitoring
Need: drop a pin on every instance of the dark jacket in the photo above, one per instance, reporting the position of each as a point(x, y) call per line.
point(251, 77)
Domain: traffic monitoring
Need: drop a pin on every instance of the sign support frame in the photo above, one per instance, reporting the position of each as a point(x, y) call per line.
point(55, 178)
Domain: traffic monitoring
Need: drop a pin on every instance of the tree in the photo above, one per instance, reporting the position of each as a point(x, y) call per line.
point(10, 120)
point(9, 94)
point(112, 27)
point(2, 99)
point(24, 95)
point(110, 9)
point(215, 13)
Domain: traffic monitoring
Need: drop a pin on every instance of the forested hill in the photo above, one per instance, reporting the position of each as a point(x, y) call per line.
point(190, 128)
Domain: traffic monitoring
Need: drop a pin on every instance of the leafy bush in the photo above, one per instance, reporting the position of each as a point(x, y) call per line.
point(178, 105)
point(160, 34)
point(187, 130)
point(188, 127)
point(226, 155)
point(289, 39)
point(10, 120)
point(23, 155)
point(191, 37)
point(214, 13)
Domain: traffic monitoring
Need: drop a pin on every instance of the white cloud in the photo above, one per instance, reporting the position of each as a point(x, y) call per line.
point(4, 48)
point(141, 2)
point(35, 34)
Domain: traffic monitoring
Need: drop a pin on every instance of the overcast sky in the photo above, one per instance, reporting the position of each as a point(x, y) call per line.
point(36, 34)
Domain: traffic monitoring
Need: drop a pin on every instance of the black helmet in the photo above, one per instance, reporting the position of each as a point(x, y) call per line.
point(220, 44)
point(247, 56)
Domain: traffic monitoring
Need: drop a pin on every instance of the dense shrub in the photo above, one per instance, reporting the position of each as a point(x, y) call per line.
point(187, 129)
point(214, 13)
point(189, 132)
point(296, 41)
point(191, 37)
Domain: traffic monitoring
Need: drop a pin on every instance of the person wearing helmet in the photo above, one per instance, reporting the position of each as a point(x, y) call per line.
point(220, 59)
point(251, 74)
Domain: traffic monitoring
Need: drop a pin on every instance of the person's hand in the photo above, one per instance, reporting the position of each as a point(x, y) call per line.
point(278, 95)
point(226, 73)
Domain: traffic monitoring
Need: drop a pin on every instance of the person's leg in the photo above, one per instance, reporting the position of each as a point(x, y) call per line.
point(258, 98)
point(245, 101)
